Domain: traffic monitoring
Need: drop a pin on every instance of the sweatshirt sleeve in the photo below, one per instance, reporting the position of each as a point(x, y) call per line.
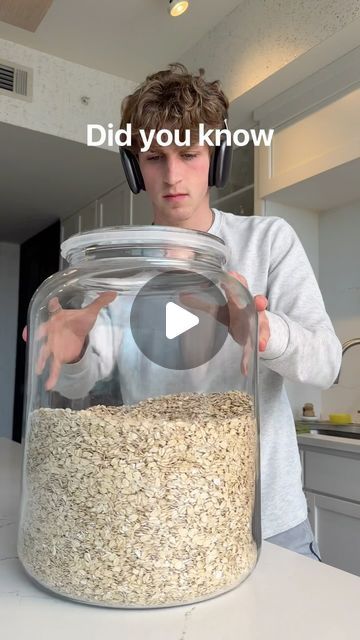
point(303, 346)
point(76, 380)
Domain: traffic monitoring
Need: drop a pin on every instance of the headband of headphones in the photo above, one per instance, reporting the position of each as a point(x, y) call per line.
point(219, 169)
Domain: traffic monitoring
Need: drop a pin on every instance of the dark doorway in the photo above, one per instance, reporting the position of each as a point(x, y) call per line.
point(39, 258)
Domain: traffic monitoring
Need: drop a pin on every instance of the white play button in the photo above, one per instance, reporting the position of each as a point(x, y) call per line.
point(161, 313)
point(178, 320)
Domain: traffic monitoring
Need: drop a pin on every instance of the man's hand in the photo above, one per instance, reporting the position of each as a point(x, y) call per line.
point(236, 317)
point(261, 303)
point(65, 334)
point(237, 320)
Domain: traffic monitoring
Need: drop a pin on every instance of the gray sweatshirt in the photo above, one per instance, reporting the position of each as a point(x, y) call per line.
point(303, 347)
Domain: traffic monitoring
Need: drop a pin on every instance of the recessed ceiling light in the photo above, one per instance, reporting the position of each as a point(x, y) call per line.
point(178, 7)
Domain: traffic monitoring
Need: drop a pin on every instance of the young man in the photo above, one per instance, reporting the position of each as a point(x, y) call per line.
point(296, 337)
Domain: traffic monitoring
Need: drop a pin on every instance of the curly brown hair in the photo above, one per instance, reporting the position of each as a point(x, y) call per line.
point(174, 98)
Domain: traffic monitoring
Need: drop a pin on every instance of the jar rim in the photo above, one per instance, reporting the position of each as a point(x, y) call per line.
point(129, 234)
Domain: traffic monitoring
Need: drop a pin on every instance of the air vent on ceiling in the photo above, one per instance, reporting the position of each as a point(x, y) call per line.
point(16, 80)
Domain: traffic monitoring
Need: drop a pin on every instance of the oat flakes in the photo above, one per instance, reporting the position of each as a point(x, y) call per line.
point(141, 505)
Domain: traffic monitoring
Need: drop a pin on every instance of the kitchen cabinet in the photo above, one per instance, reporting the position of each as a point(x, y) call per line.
point(114, 207)
point(69, 226)
point(331, 481)
point(336, 525)
point(238, 194)
point(83, 220)
point(316, 138)
point(120, 206)
point(87, 217)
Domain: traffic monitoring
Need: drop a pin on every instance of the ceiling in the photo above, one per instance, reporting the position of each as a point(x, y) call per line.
point(127, 39)
point(43, 178)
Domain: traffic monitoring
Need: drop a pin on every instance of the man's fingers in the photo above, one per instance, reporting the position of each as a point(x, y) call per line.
point(262, 344)
point(196, 302)
point(25, 334)
point(42, 331)
point(239, 277)
point(232, 299)
point(54, 374)
point(102, 300)
point(54, 305)
point(261, 303)
point(246, 355)
point(219, 312)
point(264, 332)
point(239, 314)
point(42, 358)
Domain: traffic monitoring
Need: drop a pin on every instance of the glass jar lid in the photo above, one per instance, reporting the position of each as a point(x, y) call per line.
point(142, 236)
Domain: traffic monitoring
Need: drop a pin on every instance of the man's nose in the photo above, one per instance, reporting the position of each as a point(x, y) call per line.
point(172, 171)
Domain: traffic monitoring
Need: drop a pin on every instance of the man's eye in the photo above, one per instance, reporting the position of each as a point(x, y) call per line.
point(153, 157)
point(188, 156)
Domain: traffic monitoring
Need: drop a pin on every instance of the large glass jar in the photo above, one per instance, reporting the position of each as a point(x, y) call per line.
point(140, 483)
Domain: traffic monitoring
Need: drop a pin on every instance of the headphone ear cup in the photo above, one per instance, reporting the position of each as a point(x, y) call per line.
point(220, 164)
point(132, 170)
point(212, 166)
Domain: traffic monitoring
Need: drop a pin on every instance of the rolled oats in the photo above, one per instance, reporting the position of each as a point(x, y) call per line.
point(141, 505)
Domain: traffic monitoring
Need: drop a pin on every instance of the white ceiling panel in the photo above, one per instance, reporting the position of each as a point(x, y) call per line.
point(126, 38)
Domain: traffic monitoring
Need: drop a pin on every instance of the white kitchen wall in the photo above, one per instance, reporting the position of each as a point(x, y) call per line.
point(340, 283)
point(306, 224)
point(258, 38)
point(332, 242)
point(9, 279)
point(56, 108)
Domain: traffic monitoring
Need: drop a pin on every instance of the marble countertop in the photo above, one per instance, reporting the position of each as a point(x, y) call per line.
point(287, 597)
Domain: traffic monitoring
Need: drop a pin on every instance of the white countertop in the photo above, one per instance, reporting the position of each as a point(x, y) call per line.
point(287, 597)
point(350, 445)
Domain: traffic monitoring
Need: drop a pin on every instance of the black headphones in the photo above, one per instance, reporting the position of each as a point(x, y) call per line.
point(219, 170)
